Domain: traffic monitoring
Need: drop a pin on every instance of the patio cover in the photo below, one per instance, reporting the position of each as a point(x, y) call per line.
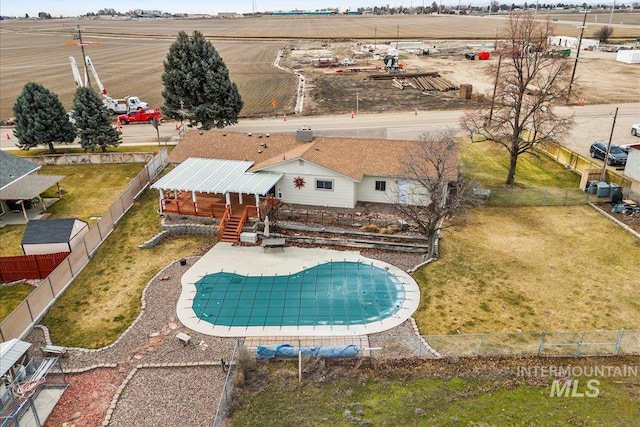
point(10, 352)
point(28, 187)
point(218, 177)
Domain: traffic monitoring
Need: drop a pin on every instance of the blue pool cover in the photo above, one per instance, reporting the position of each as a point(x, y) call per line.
point(333, 293)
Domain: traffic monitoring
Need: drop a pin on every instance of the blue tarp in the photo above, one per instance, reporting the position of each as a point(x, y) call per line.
point(287, 350)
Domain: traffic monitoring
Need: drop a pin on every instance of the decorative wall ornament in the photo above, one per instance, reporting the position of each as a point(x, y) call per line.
point(298, 181)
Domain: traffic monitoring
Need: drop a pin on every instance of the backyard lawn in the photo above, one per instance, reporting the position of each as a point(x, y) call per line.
point(465, 392)
point(500, 270)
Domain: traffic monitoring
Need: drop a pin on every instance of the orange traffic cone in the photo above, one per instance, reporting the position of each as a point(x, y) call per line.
point(8, 136)
point(118, 124)
point(352, 116)
point(581, 102)
point(415, 112)
point(284, 117)
point(176, 125)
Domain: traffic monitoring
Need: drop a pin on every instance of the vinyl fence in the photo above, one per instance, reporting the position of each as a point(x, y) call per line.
point(31, 310)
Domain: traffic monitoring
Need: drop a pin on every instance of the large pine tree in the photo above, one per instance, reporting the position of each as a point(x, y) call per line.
point(197, 86)
point(93, 121)
point(41, 119)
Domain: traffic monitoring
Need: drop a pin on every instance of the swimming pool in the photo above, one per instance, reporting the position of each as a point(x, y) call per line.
point(242, 291)
point(332, 293)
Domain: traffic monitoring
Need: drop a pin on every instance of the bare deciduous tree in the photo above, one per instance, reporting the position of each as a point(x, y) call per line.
point(436, 187)
point(603, 33)
point(519, 112)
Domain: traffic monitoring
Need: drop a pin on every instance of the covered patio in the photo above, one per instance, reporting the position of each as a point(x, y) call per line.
point(213, 188)
point(21, 200)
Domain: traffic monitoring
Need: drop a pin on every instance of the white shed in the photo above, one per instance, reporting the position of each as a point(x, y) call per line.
point(632, 168)
point(628, 56)
point(48, 236)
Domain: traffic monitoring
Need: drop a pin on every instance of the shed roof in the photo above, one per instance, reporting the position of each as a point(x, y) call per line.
point(13, 168)
point(10, 352)
point(41, 231)
point(217, 176)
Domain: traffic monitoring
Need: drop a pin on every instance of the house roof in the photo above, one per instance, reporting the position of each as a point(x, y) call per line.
point(10, 352)
point(29, 186)
point(13, 168)
point(217, 176)
point(351, 157)
point(41, 231)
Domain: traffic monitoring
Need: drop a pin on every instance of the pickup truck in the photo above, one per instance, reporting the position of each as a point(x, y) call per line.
point(140, 116)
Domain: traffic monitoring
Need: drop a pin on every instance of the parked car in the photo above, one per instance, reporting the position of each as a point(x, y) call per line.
point(635, 130)
point(140, 116)
point(617, 156)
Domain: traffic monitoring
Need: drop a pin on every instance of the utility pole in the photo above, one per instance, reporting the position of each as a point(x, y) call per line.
point(84, 58)
point(375, 38)
point(612, 9)
point(606, 156)
point(575, 65)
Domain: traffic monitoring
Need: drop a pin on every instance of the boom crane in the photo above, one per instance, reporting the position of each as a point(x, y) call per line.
point(89, 66)
point(114, 106)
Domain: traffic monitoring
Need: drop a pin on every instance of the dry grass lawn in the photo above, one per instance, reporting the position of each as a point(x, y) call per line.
point(532, 269)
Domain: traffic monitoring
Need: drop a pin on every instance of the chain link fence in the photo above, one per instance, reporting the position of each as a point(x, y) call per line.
point(586, 343)
point(222, 412)
point(539, 197)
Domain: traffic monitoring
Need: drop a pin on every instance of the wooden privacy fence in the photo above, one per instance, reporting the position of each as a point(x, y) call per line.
point(29, 266)
point(20, 321)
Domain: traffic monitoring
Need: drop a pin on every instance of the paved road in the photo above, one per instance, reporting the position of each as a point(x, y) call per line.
point(592, 122)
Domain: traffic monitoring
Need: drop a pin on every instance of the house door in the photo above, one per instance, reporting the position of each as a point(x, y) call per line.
point(403, 192)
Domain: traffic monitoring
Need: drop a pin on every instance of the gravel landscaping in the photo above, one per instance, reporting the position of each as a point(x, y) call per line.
point(148, 377)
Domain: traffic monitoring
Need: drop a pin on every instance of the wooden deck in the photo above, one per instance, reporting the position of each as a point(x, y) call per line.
point(209, 205)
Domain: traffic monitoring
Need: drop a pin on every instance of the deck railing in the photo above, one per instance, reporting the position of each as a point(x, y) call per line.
point(223, 220)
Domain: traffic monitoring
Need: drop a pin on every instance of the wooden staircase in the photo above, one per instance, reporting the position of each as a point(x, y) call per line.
point(231, 227)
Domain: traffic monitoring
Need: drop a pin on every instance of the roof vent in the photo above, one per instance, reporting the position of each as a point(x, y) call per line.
point(224, 134)
point(305, 134)
point(260, 136)
point(267, 135)
point(249, 134)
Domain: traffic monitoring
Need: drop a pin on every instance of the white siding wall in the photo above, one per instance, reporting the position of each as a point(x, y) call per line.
point(80, 228)
point(343, 194)
point(45, 248)
point(632, 168)
point(366, 191)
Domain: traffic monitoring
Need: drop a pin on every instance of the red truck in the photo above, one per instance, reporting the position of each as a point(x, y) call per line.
point(140, 116)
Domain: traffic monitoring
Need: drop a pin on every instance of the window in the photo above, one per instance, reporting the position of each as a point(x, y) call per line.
point(322, 184)
point(381, 185)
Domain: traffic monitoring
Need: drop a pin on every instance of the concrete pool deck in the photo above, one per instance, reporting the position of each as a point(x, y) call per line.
point(255, 261)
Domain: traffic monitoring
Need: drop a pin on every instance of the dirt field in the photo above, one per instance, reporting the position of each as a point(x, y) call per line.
point(129, 54)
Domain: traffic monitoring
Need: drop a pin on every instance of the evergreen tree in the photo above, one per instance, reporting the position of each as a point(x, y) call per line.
point(196, 84)
point(93, 121)
point(41, 119)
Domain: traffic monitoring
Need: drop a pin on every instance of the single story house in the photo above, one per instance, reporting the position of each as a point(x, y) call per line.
point(20, 184)
point(49, 236)
point(295, 168)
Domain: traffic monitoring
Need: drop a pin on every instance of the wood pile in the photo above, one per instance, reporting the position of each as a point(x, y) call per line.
point(425, 82)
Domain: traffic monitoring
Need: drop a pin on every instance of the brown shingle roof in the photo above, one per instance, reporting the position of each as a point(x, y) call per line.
point(351, 157)
point(231, 146)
